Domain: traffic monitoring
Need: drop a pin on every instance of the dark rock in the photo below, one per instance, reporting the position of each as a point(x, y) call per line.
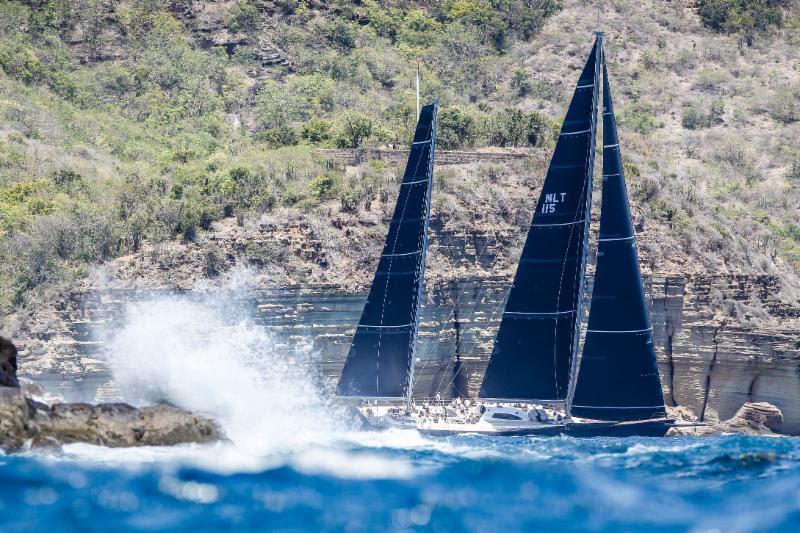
point(14, 428)
point(27, 422)
point(8, 363)
point(120, 424)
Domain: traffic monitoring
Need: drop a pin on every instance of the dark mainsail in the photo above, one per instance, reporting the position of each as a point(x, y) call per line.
point(534, 345)
point(380, 362)
point(618, 377)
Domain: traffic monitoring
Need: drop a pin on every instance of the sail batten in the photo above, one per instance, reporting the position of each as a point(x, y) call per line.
point(618, 377)
point(380, 361)
point(532, 353)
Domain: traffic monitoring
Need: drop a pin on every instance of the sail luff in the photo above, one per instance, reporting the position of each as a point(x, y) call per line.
point(380, 359)
point(618, 377)
point(573, 368)
point(421, 278)
point(533, 347)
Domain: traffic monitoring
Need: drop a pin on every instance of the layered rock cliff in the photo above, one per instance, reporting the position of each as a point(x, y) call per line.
point(707, 363)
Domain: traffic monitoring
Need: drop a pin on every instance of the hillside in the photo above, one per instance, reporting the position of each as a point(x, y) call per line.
point(172, 141)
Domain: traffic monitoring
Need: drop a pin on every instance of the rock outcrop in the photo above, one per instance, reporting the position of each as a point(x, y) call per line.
point(753, 418)
point(26, 422)
point(8, 363)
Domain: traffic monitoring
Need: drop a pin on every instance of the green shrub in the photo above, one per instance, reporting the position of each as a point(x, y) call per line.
point(317, 131)
point(639, 117)
point(384, 22)
point(419, 29)
point(213, 261)
point(322, 185)
point(716, 112)
point(521, 81)
point(784, 106)
point(341, 34)
point(540, 130)
point(354, 129)
point(693, 117)
point(243, 17)
point(21, 62)
point(349, 199)
point(277, 137)
point(455, 128)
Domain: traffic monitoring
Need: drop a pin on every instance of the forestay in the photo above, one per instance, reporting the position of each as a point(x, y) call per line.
point(618, 377)
point(534, 345)
point(380, 360)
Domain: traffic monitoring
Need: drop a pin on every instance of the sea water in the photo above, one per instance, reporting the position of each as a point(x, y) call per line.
point(401, 481)
point(292, 463)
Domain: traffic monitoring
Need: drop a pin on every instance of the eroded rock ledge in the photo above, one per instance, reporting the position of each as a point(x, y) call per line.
point(26, 422)
point(752, 418)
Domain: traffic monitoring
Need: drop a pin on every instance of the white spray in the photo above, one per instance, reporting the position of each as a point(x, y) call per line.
point(187, 350)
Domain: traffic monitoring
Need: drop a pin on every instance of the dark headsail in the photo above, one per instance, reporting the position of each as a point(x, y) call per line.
point(618, 378)
point(380, 362)
point(535, 342)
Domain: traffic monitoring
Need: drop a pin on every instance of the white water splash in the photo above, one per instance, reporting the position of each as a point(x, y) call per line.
point(205, 354)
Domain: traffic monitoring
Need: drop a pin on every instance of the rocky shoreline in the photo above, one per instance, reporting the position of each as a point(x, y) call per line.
point(26, 422)
point(752, 418)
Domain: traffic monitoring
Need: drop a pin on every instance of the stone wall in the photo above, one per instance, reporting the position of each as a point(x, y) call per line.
point(443, 157)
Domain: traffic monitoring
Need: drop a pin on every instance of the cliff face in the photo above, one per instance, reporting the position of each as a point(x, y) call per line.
point(711, 364)
point(707, 365)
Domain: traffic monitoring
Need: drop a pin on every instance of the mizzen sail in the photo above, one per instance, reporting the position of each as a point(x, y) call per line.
point(534, 345)
point(618, 377)
point(380, 361)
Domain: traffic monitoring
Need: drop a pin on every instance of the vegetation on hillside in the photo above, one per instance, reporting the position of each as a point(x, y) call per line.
point(133, 121)
point(120, 126)
point(748, 18)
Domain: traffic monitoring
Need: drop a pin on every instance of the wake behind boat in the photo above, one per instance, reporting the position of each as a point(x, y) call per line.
point(535, 382)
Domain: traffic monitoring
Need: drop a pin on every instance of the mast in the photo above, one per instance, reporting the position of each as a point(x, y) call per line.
point(532, 353)
point(618, 377)
point(421, 278)
point(573, 368)
point(380, 362)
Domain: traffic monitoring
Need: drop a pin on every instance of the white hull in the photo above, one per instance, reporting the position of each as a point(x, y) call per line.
point(491, 419)
point(502, 420)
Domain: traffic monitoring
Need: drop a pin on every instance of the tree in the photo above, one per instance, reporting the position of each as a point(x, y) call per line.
point(244, 17)
point(354, 130)
point(510, 128)
point(317, 131)
point(456, 128)
point(341, 35)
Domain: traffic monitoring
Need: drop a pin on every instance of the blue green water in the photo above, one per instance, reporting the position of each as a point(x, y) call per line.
point(402, 481)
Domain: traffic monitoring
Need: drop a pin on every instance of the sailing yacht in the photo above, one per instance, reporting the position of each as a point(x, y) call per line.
point(535, 383)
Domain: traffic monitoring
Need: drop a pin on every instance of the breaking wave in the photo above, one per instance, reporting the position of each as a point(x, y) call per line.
point(203, 352)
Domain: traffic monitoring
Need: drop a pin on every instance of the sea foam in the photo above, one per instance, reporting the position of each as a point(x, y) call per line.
point(203, 352)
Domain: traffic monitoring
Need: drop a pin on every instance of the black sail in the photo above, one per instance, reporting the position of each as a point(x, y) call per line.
point(380, 360)
point(618, 377)
point(534, 345)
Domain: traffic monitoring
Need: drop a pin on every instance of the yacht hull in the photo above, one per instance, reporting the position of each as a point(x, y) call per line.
point(648, 428)
point(637, 428)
